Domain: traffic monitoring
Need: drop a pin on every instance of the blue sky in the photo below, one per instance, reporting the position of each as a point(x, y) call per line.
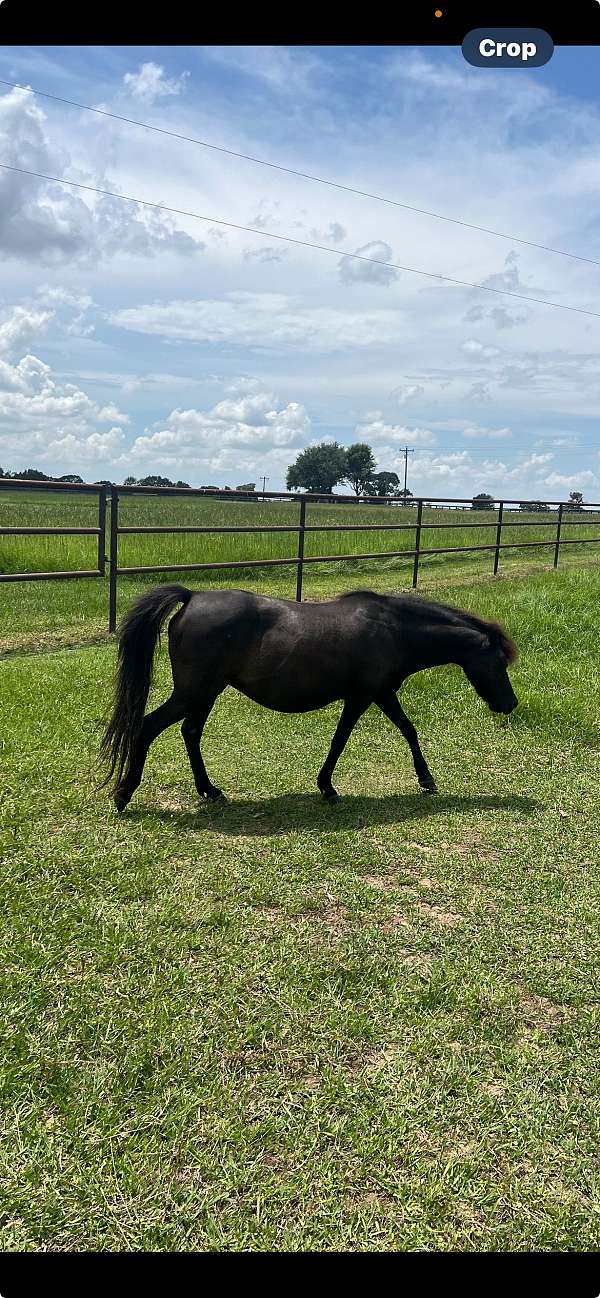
point(133, 342)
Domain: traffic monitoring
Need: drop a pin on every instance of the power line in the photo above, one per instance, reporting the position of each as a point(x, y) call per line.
point(302, 243)
point(303, 175)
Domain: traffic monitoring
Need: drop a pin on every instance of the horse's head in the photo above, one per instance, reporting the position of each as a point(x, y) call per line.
point(486, 666)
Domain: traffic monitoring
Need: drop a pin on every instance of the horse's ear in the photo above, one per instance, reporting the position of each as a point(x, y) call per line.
point(499, 639)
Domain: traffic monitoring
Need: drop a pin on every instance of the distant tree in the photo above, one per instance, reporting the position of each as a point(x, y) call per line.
point(70, 477)
point(247, 486)
point(103, 482)
point(534, 507)
point(575, 500)
point(385, 484)
point(211, 487)
point(130, 481)
point(33, 475)
point(360, 468)
point(318, 468)
point(483, 501)
point(179, 483)
point(405, 494)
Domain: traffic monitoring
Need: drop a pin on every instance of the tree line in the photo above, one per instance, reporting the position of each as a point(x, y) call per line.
point(484, 501)
point(317, 470)
point(152, 480)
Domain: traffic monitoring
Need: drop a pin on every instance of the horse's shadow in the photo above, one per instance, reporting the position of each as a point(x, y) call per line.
point(305, 811)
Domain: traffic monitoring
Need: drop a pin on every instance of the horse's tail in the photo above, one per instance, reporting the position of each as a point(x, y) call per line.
point(137, 639)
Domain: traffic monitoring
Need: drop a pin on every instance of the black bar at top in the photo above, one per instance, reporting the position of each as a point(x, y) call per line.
point(134, 22)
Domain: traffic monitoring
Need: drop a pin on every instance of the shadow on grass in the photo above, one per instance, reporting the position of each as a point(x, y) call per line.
point(292, 812)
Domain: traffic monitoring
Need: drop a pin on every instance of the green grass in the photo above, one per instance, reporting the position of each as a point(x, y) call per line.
point(37, 614)
point(450, 528)
point(276, 1024)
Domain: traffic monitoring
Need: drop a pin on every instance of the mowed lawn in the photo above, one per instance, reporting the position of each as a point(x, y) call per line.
point(276, 1024)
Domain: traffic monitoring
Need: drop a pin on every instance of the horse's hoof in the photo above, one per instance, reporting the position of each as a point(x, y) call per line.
point(215, 795)
point(120, 802)
point(332, 797)
point(430, 786)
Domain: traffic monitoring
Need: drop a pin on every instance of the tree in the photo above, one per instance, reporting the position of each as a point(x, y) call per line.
point(247, 486)
point(360, 467)
point(483, 501)
point(318, 468)
point(70, 477)
point(130, 482)
point(405, 495)
point(182, 484)
point(575, 500)
point(155, 480)
point(384, 484)
point(534, 507)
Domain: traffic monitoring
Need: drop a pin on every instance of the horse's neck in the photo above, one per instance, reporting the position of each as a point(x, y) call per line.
point(438, 646)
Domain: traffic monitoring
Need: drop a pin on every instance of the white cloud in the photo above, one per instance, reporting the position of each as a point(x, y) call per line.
point(42, 222)
point(378, 431)
point(473, 347)
point(20, 327)
point(572, 481)
point(235, 434)
point(149, 83)
point(408, 393)
point(474, 430)
point(371, 271)
point(53, 423)
point(261, 320)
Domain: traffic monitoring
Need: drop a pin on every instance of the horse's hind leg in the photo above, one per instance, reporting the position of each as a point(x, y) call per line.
point(153, 725)
point(391, 708)
point(192, 734)
point(350, 715)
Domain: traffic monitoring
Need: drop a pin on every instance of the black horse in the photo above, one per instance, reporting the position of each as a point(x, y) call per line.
point(291, 658)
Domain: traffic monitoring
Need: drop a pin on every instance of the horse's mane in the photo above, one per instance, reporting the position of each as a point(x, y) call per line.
point(496, 634)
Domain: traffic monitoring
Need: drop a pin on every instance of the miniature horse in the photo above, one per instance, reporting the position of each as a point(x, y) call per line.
point(290, 657)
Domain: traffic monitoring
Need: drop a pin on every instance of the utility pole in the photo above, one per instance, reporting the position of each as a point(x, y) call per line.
point(264, 481)
point(407, 450)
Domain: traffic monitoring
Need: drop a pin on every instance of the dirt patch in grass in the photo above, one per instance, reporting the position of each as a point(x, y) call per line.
point(397, 920)
point(447, 918)
point(376, 1061)
point(385, 882)
point(540, 1012)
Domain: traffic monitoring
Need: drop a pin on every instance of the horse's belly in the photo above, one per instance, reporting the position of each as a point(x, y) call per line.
point(287, 695)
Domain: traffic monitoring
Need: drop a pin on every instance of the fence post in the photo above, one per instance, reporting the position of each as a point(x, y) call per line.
point(114, 544)
point(558, 527)
point(417, 544)
point(102, 531)
point(301, 526)
point(498, 537)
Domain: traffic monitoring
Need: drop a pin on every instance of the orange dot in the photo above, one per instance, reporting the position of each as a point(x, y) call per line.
point(438, 13)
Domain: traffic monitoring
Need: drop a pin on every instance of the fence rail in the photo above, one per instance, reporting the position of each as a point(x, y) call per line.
point(501, 518)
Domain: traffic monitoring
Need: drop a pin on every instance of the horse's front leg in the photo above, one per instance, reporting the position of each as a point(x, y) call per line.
point(391, 708)
point(353, 709)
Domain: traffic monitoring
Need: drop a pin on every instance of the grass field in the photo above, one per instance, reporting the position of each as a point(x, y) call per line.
point(276, 1024)
point(443, 527)
point(34, 614)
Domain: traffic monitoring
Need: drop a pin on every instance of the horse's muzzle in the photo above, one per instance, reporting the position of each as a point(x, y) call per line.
point(504, 708)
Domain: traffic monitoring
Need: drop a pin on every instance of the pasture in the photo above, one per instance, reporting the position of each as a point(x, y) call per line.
point(278, 1024)
point(35, 614)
